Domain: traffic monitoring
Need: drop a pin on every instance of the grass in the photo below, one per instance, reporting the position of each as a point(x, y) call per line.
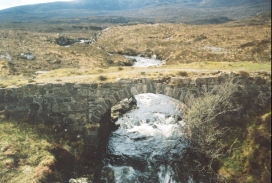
point(25, 153)
point(233, 66)
point(6, 81)
point(34, 153)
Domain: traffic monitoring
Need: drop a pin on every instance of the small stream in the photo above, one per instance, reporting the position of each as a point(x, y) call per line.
point(145, 62)
point(148, 143)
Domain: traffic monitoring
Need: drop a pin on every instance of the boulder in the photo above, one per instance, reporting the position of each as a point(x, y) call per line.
point(154, 57)
point(122, 107)
point(79, 180)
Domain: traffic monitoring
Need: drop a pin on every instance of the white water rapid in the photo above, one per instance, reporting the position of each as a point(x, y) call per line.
point(145, 62)
point(147, 144)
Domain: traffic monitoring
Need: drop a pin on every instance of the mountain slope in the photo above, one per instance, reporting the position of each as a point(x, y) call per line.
point(229, 3)
point(157, 10)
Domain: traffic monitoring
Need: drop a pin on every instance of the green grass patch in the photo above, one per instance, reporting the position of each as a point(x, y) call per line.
point(25, 153)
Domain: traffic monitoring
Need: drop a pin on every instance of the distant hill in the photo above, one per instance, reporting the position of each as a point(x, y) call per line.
point(229, 3)
point(96, 5)
point(165, 10)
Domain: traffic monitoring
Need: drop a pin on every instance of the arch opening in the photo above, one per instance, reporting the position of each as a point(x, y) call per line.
point(138, 150)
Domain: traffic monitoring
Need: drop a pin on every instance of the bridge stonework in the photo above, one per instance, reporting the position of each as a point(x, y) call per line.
point(83, 110)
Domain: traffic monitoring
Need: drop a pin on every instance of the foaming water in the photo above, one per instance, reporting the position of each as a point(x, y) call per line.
point(148, 143)
point(145, 62)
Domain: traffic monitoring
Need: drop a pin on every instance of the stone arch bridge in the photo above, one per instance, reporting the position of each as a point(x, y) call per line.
point(83, 110)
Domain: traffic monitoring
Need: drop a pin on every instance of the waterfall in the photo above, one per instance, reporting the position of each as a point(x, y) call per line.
point(148, 143)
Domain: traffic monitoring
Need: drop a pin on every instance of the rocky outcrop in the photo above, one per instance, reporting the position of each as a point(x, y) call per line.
point(65, 41)
point(28, 56)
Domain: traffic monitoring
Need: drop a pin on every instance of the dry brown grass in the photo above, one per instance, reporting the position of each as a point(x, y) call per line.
point(180, 43)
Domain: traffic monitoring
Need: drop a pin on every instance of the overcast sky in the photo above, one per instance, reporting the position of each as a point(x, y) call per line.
point(11, 3)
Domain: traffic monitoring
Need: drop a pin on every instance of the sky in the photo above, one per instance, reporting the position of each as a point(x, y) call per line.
point(11, 3)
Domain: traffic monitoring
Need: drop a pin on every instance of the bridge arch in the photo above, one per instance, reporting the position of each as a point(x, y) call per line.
point(105, 102)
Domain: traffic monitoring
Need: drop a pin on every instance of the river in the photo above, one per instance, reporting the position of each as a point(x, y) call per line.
point(148, 143)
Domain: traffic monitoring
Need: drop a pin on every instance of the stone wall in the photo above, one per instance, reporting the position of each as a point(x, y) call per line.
point(83, 110)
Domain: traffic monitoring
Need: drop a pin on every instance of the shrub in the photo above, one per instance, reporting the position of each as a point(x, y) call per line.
point(182, 73)
point(120, 68)
point(102, 78)
point(204, 130)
